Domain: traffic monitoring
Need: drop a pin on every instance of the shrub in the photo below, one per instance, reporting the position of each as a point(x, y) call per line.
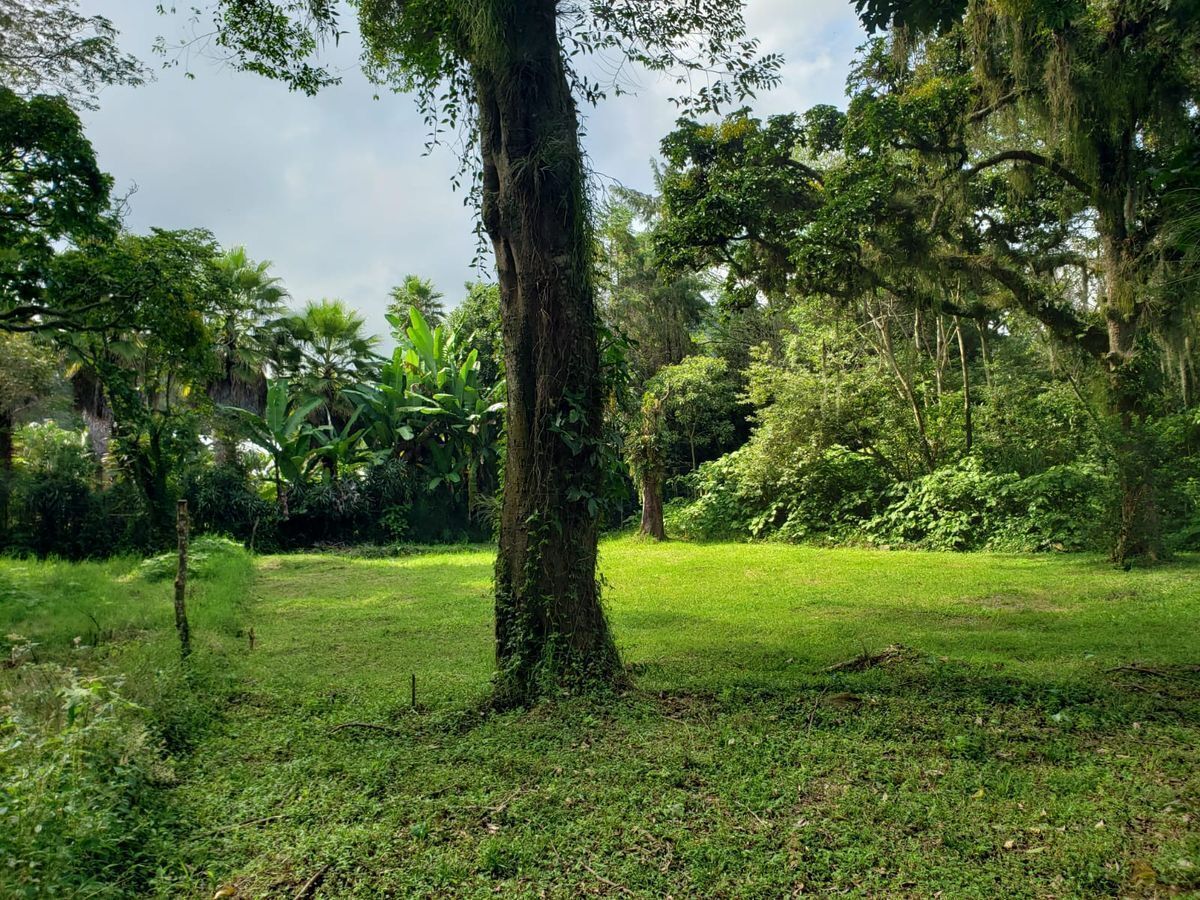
point(720, 511)
point(966, 507)
point(956, 508)
point(1066, 507)
point(832, 497)
point(389, 491)
point(57, 509)
point(77, 768)
point(206, 555)
point(325, 512)
point(221, 501)
point(826, 497)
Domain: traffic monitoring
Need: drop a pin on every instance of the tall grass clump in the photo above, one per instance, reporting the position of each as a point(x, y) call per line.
point(97, 709)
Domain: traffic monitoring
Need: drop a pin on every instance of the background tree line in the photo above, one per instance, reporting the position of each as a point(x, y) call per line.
point(895, 324)
point(978, 284)
point(958, 313)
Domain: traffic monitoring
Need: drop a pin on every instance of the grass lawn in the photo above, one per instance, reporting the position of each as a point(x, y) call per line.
point(1035, 734)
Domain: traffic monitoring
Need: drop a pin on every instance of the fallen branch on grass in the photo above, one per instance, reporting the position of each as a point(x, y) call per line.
point(864, 661)
point(1140, 669)
point(309, 887)
point(611, 884)
point(367, 725)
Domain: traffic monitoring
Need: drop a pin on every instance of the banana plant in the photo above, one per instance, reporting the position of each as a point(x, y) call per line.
point(283, 431)
point(431, 406)
point(385, 410)
point(336, 450)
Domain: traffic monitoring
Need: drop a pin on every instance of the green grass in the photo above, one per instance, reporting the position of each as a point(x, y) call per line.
point(103, 604)
point(96, 709)
point(1003, 753)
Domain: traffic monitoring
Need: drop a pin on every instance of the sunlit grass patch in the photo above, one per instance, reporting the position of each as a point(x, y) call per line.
point(1039, 745)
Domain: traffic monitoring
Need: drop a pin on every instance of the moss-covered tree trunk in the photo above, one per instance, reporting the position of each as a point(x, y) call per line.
point(1138, 533)
point(652, 506)
point(550, 627)
point(6, 468)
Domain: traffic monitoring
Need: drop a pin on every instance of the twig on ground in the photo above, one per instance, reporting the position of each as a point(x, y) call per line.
point(865, 660)
point(261, 821)
point(367, 725)
point(611, 884)
point(309, 887)
point(812, 713)
point(761, 821)
point(1139, 669)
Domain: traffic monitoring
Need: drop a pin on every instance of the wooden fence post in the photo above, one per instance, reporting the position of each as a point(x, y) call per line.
point(181, 621)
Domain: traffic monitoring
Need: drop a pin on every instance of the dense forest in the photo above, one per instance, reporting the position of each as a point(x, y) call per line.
point(958, 313)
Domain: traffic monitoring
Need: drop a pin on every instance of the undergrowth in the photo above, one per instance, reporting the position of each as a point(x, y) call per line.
point(97, 712)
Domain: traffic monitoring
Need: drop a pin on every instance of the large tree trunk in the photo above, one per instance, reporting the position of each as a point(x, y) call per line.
point(652, 507)
point(550, 627)
point(1138, 532)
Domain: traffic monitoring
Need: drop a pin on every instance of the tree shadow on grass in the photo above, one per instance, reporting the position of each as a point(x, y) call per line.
point(916, 687)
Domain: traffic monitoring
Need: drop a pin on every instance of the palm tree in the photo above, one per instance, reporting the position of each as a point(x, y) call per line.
point(332, 354)
point(419, 293)
point(253, 304)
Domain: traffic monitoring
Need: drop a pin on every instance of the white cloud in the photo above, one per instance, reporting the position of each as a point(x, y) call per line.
point(336, 190)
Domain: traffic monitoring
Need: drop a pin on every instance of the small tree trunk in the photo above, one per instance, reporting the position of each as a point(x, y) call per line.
point(281, 495)
point(907, 392)
point(181, 620)
point(6, 468)
point(550, 627)
point(968, 429)
point(652, 507)
point(1185, 384)
point(985, 351)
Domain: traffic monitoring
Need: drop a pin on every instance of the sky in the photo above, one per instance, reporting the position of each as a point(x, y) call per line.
point(336, 190)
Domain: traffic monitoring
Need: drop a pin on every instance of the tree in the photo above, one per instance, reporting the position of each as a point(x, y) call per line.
point(645, 449)
point(433, 408)
point(968, 179)
point(503, 69)
point(28, 373)
point(146, 366)
point(332, 353)
point(51, 191)
point(284, 432)
point(735, 194)
point(699, 405)
point(1099, 97)
point(49, 47)
point(656, 309)
point(476, 323)
point(251, 305)
point(420, 294)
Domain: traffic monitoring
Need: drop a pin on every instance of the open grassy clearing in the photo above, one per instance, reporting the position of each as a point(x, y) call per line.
point(1000, 756)
point(1034, 733)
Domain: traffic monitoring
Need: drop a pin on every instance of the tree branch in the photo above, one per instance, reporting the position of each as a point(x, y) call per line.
point(1036, 159)
point(1061, 320)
